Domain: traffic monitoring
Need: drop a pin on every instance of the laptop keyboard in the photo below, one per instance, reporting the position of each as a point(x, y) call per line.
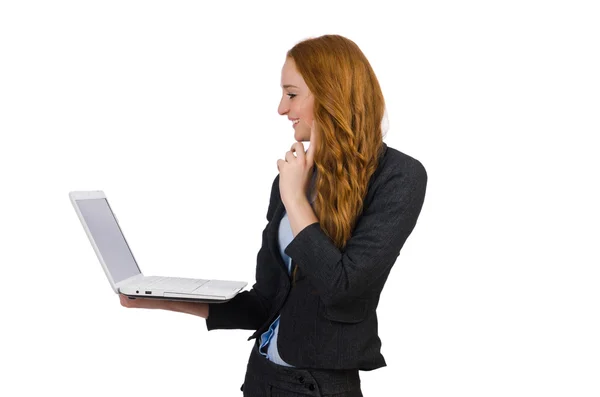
point(173, 284)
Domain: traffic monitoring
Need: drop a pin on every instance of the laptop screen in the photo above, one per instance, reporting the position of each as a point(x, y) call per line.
point(108, 237)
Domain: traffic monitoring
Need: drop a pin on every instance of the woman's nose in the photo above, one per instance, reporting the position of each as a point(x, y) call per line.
point(282, 109)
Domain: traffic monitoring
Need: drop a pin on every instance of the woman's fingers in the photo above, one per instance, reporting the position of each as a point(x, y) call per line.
point(125, 301)
point(141, 303)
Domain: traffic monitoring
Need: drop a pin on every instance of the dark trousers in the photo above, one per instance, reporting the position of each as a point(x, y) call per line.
point(264, 378)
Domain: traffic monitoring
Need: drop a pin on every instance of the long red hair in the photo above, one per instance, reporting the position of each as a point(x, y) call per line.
point(348, 113)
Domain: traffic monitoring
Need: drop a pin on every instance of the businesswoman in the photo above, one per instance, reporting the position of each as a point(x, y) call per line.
point(337, 218)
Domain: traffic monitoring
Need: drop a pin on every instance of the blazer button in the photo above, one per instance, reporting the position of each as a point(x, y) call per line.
point(301, 379)
point(311, 387)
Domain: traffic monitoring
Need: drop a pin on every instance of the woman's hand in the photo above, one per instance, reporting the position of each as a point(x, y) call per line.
point(295, 172)
point(195, 308)
point(144, 303)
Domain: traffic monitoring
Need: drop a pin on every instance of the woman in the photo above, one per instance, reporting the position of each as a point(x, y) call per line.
point(337, 218)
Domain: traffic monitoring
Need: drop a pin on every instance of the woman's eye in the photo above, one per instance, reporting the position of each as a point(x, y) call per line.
point(291, 95)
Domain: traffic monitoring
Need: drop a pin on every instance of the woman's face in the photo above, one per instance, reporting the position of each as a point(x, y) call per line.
point(296, 101)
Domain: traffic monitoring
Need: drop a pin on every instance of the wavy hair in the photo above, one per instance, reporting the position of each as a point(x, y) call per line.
point(348, 112)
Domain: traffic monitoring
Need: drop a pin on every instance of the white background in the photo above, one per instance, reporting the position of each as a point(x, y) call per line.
point(171, 109)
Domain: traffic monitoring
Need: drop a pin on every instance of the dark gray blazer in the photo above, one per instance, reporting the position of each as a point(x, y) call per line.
point(328, 319)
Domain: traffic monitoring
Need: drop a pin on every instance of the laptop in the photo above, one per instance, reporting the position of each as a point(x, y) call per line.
point(122, 270)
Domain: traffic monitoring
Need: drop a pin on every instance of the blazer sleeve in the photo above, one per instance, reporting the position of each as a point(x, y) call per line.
point(379, 234)
point(249, 309)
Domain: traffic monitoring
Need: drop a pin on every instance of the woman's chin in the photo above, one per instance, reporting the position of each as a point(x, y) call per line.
point(300, 137)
